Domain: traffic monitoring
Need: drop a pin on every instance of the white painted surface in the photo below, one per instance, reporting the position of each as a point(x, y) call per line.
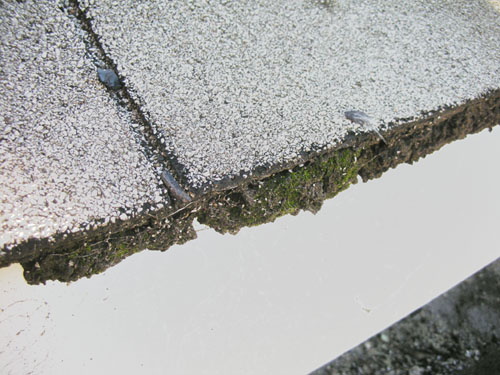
point(282, 298)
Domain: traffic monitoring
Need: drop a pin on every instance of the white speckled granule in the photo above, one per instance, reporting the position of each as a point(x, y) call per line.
point(67, 157)
point(237, 84)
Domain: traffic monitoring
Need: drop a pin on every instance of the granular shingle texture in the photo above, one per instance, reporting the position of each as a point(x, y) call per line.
point(68, 159)
point(234, 85)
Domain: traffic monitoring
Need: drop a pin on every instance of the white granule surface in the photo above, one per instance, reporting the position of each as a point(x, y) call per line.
point(67, 156)
point(233, 85)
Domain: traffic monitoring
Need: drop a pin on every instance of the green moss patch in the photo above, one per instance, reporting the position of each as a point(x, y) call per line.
point(302, 188)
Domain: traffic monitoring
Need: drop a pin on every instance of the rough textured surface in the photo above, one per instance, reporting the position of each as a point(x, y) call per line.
point(231, 86)
point(307, 186)
point(69, 159)
point(216, 90)
point(94, 253)
point(303, 187)
point(456, 334)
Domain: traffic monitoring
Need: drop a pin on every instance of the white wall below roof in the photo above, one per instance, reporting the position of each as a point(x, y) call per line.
point(281, 298)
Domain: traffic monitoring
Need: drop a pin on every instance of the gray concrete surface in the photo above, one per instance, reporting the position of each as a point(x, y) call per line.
point(69, 159)
point(231, 86)
point(455, 334)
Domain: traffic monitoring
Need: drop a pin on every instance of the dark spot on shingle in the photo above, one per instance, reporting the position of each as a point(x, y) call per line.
point(109, 78)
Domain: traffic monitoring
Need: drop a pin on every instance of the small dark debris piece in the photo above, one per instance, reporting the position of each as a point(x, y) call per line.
point(174, 187)
point(109, 78)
